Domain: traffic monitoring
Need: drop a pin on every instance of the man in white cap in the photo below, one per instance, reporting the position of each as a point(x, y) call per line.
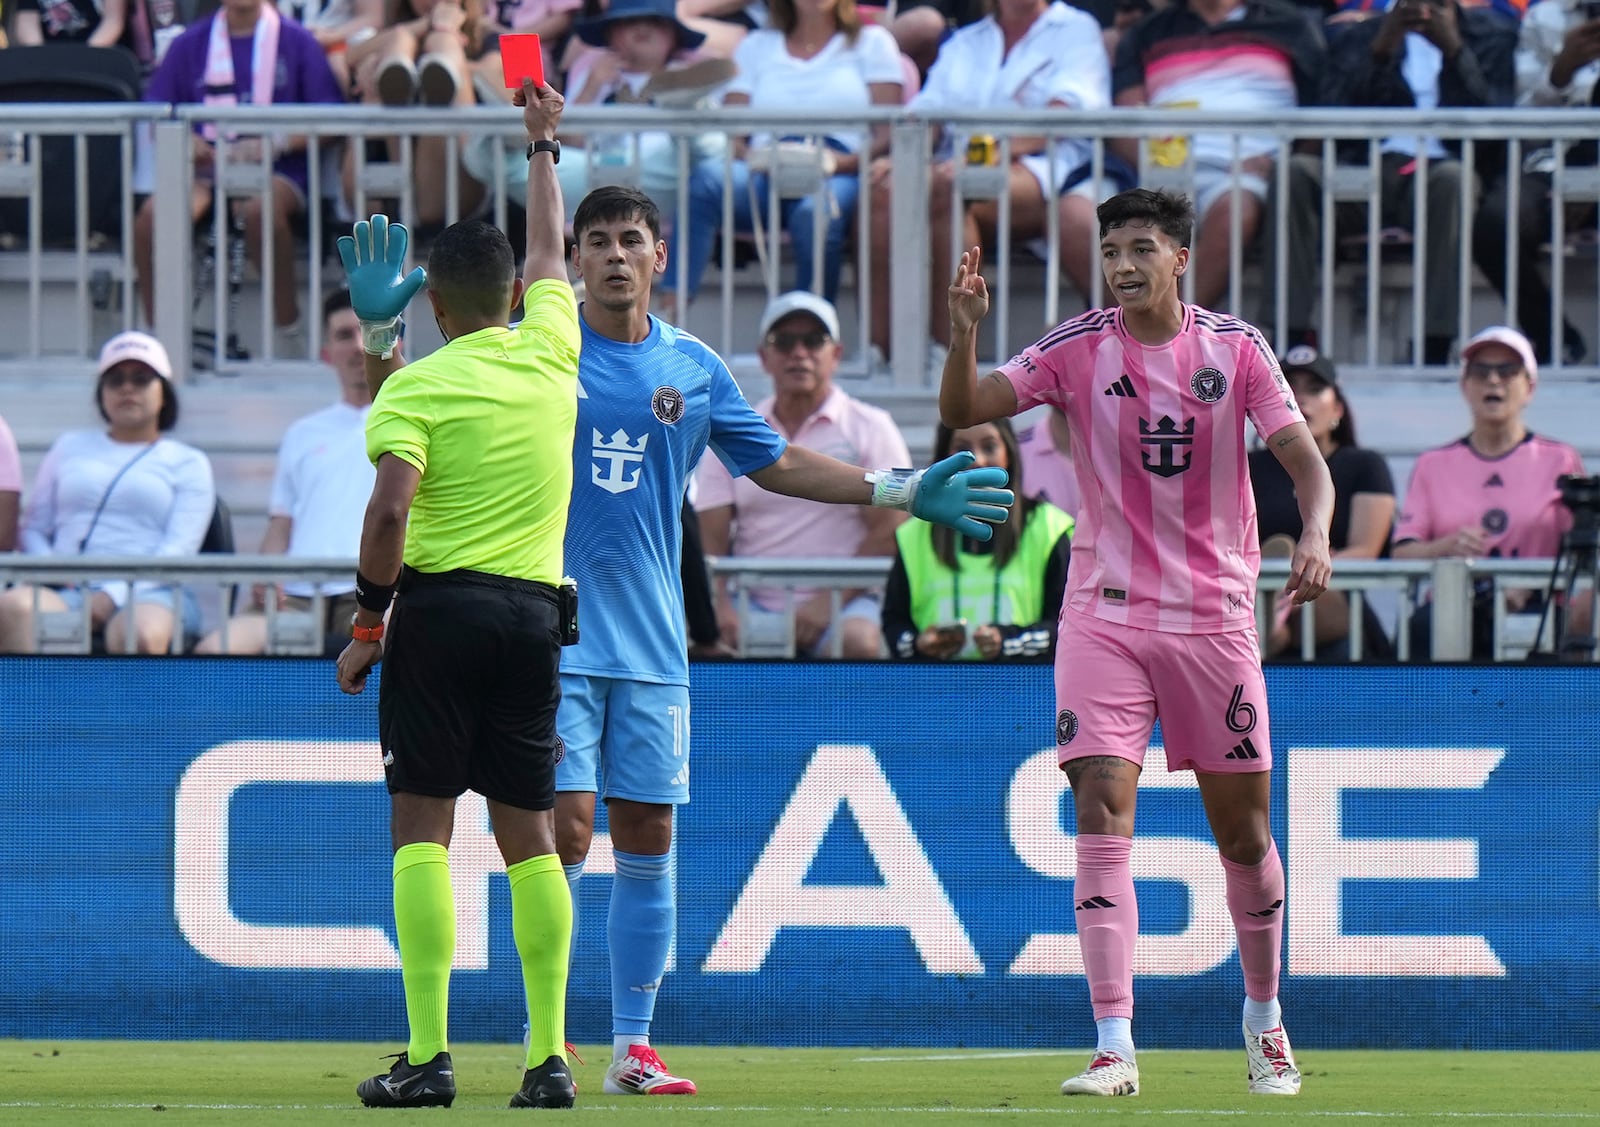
point(1492, 493)
point(800, 351)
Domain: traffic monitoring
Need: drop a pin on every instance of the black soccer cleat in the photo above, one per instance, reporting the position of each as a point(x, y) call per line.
point(549, 1085)
point(411, 1085)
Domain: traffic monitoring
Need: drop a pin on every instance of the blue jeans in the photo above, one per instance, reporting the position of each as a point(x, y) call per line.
point(796, 216)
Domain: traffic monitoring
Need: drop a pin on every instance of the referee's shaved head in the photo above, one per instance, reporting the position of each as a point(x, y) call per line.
point(472, 269)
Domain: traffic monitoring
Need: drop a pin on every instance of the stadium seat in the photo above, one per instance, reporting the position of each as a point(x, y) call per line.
point(68, 72)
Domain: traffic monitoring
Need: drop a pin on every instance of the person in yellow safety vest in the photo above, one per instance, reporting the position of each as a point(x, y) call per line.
point(950, 598)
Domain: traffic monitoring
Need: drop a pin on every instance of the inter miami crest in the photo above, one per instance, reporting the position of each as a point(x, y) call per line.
point(1208, 385)
point(1066, 726)
point(667, 403)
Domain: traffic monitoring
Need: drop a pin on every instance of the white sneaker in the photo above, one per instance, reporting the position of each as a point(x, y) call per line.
point(1107, 1075)
point(642, 1073)
point(1270, 1061)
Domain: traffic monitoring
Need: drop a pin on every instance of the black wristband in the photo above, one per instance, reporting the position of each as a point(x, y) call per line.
point(375, 597)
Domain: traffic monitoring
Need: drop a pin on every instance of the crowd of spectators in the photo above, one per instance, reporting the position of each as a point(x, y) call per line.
point(1269, 56)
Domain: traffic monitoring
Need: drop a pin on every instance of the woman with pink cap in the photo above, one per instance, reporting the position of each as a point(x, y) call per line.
point(124, 490)
point(1493, 492)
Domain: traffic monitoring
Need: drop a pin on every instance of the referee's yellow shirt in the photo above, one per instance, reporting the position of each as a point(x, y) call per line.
point(488, 421)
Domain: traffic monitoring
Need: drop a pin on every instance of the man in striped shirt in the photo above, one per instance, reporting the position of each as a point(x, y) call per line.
point(1159, 617)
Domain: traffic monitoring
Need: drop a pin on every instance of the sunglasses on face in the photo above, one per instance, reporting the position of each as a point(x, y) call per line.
point(1480, 371)
point(785, 342)
point(129, 377)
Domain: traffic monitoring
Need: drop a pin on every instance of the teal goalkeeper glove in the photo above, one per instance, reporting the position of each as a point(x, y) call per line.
point(373, 259)
point(949, 493)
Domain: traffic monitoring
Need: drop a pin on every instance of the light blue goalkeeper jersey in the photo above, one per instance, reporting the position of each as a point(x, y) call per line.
point(646, 412)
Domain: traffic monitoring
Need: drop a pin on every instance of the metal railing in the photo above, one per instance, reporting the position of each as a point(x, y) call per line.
point(1386, 299)
point(1401, 583)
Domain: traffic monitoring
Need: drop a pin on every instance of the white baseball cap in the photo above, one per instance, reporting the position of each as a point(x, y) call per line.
point(800, 301)
point(137, 346)
point(1515, 341)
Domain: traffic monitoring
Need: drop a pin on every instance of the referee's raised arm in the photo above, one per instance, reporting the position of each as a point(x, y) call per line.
point(541, 114)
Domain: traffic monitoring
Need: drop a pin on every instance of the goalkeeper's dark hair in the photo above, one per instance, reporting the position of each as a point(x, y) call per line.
point(471, 267)
point(1171, 213)
point(613, 202)
point(1007, 535)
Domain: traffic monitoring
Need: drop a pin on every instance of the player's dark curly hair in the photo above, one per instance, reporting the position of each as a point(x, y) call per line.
point(472, 268)
point(1171, 213)
point(1007, 535)
point(612, 203)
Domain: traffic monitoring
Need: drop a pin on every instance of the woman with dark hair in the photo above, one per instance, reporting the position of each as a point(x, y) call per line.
point(948, 597)
point(1363, 509)
point(122, 491)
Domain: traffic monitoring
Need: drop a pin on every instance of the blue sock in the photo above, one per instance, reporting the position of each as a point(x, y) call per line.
point(640, 934)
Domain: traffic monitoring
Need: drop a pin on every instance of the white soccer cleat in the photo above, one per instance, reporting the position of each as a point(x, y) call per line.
point(1107, 1075)
point(1272, 1071)
point(642, 1073)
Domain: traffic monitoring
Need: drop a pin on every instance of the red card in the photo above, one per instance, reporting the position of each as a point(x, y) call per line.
point(522, 57)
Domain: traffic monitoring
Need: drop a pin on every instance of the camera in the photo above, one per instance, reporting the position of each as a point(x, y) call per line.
point(1581, 495)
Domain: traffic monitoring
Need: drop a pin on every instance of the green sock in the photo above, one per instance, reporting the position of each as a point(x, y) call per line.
point(425, 924)
point(541, 921)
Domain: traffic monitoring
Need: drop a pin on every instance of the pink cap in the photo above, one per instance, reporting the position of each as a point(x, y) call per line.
point(1515, 341)
point(137, 346)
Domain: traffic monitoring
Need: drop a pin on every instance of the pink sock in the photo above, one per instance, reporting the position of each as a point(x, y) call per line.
point(1108, 921)
point(1255, 901)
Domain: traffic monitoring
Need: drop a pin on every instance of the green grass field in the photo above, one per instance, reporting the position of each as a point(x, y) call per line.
point(87, 1083)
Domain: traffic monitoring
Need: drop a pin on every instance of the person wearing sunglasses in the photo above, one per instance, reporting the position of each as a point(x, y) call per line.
point(1492, 493)
point(125, 490)
point(800, 350)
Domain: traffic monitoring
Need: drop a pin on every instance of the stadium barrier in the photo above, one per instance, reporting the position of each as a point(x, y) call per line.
point(1371, 284)
point(1395, 588)
point(875, 855)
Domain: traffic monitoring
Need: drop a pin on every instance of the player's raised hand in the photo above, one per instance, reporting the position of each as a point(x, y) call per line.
point(969, 293)
point(1310, 568)
point(374, 256)
point(967, 500)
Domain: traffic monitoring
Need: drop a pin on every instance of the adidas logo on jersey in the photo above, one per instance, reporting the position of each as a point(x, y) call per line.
point(1123, 388)
point(1494, 479)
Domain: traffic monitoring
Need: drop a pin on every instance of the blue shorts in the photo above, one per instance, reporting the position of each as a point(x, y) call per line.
point(165, 597)
point(624, 739)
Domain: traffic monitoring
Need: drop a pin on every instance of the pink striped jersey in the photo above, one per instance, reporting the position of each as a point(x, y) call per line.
point(1166, 535)
point(1513, 498)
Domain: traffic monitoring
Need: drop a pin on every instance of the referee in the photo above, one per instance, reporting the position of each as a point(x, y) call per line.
point(473, 449)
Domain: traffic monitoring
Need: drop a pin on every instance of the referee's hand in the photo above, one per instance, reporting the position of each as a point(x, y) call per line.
point(541, 109)
point(356, 662)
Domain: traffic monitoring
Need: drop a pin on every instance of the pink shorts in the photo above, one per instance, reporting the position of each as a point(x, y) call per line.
point(1112, 681)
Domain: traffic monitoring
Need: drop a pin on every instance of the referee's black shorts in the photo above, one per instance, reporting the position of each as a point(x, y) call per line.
point(471, 682)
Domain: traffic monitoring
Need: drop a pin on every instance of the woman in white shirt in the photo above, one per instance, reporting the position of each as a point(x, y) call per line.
point(121, 491)
point(1025, 54)
point(816, 54)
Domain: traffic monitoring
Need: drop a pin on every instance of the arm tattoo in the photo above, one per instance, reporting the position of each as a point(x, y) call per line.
point(1287, 440)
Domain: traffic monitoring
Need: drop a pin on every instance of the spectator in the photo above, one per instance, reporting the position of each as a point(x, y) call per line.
point(1046, 461)
point(1557, 63)
point(10, 488)
point(98, 23)
point(919, 27)
point(948, 597)
point(1265, 56)
point(724, 23)
point(336, 25)
point(319, 493)
point(1419, 54)
point(424, 53)
point(1026, 54)
point(215, 62)
point(124, 491)
point(816, 54)
point(800, 349)
point(1363, 509)
point(639, 49)
point(1493, 493)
